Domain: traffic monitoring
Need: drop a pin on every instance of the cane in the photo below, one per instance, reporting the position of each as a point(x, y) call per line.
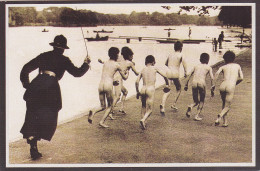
point(84, 40)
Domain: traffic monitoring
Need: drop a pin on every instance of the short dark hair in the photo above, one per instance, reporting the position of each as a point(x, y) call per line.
point(229, 56)
point(113, 52)
point(149, 59)
point(178, 46)
point(204, 58)
point(126, 52)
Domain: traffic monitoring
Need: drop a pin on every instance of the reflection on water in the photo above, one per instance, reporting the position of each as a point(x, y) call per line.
point(80, 94)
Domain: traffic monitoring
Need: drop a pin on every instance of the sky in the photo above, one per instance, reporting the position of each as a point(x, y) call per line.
point(127, 8)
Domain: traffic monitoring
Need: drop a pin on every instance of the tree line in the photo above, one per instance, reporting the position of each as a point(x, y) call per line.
point(64, 16)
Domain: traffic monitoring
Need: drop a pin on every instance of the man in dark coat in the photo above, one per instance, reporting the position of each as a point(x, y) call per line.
point(43, 96)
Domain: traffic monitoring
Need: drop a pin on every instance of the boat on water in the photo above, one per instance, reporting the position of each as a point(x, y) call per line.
point(97, 39)
point(170, 29)
point(102, 31)
point(44, 30)
point(192, 41)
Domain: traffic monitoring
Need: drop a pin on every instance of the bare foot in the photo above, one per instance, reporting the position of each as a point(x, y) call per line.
point(103, 125)
point(174, 107)
point(122, 111)
point(162, 110)
point(197, 118)
point(111, 117)
point(90, 115)
point(188, 112)
point(142, 125)
point(217, 121)
point(225, 125)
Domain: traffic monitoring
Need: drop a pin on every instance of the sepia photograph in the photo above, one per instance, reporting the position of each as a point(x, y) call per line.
point(130, 84)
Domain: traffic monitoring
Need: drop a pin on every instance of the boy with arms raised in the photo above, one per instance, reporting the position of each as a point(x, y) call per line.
point(199, 73)
point(105, 88)
point(173, 63)
point(233, 75)
point(147, 92)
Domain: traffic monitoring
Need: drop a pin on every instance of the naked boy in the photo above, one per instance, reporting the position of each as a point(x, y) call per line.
point(126, 64)
point(233, 75)
point(147, 92)
point(199, 85)
point(173, 62)
point(105, 88)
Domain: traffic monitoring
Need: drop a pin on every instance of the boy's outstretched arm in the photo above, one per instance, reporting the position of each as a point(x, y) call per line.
point(217, 74)
point(212, 82)
point(241, 76)
point(133, 69)
point(137, 85)
point(185, 66)
point(212, 77)
point(188, 79)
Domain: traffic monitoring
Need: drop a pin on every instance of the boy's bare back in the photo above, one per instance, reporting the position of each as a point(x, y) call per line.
point(231, 73)
point(149, 75)
point(173, 62)
point(199, 75)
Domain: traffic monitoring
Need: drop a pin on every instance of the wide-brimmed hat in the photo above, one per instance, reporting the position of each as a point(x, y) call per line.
point(60, 42)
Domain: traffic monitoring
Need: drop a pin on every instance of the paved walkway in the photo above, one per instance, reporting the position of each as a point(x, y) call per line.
point(170, 139)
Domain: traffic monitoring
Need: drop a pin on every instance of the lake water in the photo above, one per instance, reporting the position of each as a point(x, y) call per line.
point(80, 94)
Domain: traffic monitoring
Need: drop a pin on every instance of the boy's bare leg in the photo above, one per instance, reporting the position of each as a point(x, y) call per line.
point(143, 110)
point(164, 98)
point(92, 112)
point(108, 110)
point(125, 92)
point(195, 99)
point(116, 98)
point(226, 102)
point(162, 105)
point(149, 105)
point(202, 92)
point(224, 112)
point(178, 92)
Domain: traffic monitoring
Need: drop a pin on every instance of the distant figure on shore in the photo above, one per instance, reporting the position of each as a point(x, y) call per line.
point(105, 88)
point(215, 45)
point(97, 36)
point(169, 33)
point(221, 39)
point(242, 37)
point(233, 75)
point(147, 92)
point(43, 96)
point(173, 63)
point(199, 73)
point(126, 64)
point(189, 32)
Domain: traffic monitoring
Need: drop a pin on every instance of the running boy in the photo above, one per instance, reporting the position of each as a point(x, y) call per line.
point(233, 75)
point(173, 63)
point(105, 88)
point(126, 64)
point(147, 92)
point(199, 85)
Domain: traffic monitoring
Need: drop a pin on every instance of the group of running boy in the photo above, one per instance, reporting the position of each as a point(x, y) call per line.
point(116, 69)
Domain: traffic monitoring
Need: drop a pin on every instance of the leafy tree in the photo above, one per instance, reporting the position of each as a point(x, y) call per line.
point(235, 15)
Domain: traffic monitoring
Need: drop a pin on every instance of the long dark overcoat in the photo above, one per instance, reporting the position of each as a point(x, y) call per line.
point(42, 95)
